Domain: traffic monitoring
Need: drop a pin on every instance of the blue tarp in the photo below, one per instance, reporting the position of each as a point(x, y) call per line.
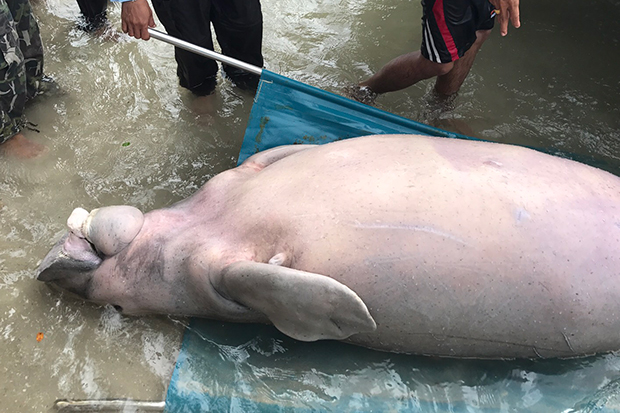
point(245, 368)
point(287, 112)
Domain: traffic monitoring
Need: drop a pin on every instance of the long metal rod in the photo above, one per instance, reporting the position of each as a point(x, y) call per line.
point(115, 405)
point(156, 34)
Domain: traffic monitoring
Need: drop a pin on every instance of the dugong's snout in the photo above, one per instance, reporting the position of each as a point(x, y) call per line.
point(70, 265)
point(103, 232)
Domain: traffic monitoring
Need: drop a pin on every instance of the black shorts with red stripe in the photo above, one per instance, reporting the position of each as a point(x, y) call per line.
point(449, 27)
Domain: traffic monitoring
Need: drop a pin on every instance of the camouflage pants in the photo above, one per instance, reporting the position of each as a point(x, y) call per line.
point(21, 63)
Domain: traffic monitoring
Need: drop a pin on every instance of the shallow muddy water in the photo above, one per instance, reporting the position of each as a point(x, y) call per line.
point(120, 131)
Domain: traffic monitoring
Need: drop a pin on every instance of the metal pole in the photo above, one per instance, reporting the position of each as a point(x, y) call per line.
point(115, 405)
point(156, 34)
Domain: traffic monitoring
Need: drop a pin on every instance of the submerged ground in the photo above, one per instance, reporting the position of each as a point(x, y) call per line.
point(121, 131)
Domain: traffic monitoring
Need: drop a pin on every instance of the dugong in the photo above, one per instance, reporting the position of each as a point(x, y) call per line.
point(401, 243)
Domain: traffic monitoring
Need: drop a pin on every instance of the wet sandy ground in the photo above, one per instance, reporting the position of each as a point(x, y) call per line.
point(121, 131)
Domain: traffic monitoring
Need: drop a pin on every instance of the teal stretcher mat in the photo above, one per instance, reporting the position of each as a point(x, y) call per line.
point(288, 112)
point(246, 368)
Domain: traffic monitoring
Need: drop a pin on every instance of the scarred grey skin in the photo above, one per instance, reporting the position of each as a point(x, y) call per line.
point(400, 243)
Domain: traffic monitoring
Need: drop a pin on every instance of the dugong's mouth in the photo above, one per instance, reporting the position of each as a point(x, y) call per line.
point(70, 265)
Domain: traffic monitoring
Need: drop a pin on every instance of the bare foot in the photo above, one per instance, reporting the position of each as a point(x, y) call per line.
point(22, 148)
point(204, 108)
point(204, 105)
point(362, 94)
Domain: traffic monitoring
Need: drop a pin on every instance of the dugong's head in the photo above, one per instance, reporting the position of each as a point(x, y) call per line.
point(92, 238)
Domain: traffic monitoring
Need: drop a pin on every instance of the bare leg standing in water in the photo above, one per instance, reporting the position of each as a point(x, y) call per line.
point(453, 33)
point(450, 83)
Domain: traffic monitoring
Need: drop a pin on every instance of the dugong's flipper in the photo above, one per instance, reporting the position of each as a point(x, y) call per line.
point(110, 229)
point(303, 305)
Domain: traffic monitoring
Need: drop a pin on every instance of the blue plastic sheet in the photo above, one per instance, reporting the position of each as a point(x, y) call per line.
point(247, 368)
point(289, 112)
point(254, 368)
